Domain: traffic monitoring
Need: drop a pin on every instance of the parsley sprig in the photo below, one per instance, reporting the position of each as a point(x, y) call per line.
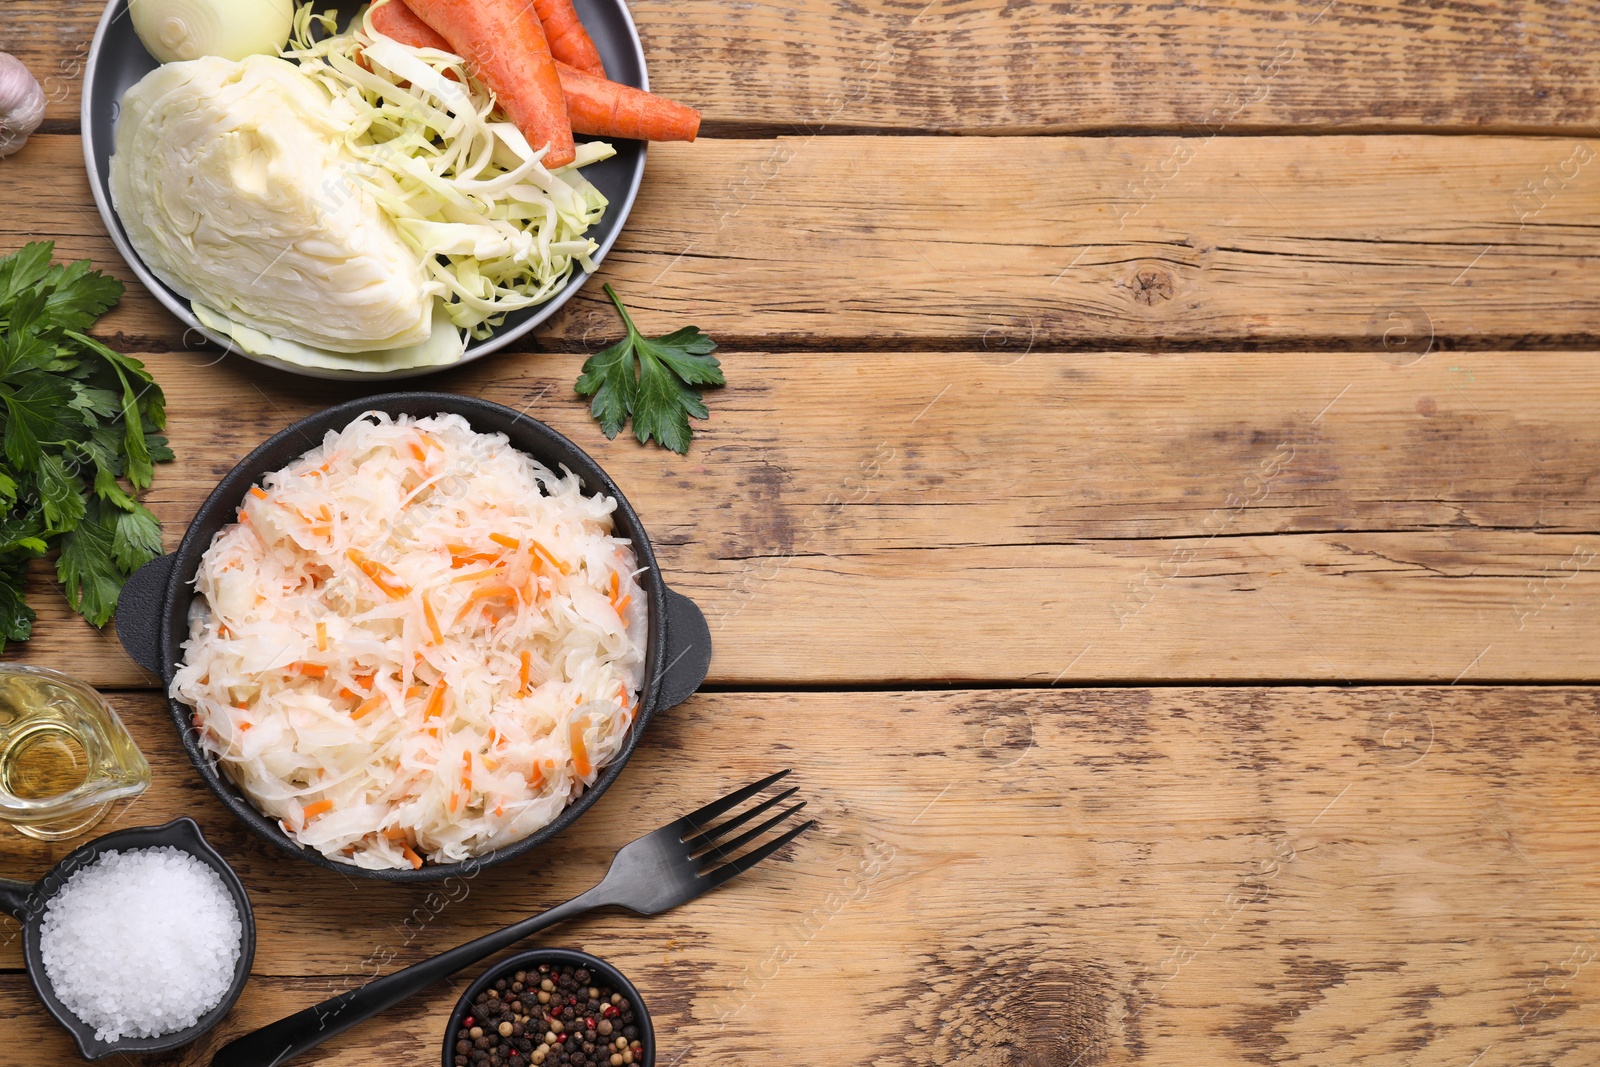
point(651, 380)
point(79, 435)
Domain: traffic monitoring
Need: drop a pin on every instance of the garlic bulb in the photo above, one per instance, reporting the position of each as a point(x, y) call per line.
point(21, 104)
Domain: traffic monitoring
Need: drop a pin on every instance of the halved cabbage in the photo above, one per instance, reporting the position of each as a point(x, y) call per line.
point(234, 183)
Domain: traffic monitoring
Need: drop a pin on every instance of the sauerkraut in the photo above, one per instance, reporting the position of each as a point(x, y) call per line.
point(416, 643)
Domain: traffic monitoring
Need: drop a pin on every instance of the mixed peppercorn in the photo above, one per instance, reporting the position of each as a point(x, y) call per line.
point(548, 1017)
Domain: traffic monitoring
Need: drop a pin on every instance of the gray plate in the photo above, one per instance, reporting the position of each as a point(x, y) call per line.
point(117, 60)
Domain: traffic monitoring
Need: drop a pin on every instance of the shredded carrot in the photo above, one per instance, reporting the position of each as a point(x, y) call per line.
point(257, 492)
point(414, 692)
point(433, 622)
point(322, 637)
point(616, 587)
point(381, 576)
point(551, 559)
point(395, 833)
point(321, 807)
point(472, 576)
point(224, 632)
point(494, 592)
point(580, 754)
point(411, 857)
point(466, 771)
point(367, 708)
point(417, 452)
point(435, 705)
point(500, 809)
point(364, 680)
point(624, 606)
point(502, 539)
point(243, 727)
point(310, 670)
point(527, 664)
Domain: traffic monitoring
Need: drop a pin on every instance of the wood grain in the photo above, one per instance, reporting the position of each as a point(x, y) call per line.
point(1104, 876)
point(971, 66)
point(1296, 242)
point(1111, 517)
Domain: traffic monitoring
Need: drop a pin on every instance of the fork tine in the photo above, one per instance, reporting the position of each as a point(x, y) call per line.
point(696, 819)
point(724, 851)
point(744, 863)
point(696, 844)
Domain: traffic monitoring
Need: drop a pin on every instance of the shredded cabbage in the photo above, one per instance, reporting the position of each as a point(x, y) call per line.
point(415, 642)
point(491, 224)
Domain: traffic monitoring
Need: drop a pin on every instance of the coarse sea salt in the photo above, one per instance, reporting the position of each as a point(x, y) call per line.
point(141, 943)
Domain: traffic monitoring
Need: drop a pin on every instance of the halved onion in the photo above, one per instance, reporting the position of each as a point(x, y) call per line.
point(174, 30)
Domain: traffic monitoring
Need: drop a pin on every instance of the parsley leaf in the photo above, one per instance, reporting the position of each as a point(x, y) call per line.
point(136, 539)
point(80, 432)
point(87, 566)
point(16, 618)
point(651, 380)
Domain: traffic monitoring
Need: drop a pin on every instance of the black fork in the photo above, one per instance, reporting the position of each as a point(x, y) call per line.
point(659, 871)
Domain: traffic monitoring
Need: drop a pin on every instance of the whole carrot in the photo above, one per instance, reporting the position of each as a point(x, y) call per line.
point(602, 108)
point(504, 44)
point(569, 41)
point(596, 107)
point(398, 22)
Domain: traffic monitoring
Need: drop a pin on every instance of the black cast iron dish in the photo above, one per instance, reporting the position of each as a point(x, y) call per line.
point(117, 60)
point(603, 972)
point(27, 903)
point(153, 611)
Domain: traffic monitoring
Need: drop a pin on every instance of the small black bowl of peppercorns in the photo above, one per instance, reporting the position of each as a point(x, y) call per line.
point(551, 1007)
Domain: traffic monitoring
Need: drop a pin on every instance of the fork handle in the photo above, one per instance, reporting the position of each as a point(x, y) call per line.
point(278, 1042)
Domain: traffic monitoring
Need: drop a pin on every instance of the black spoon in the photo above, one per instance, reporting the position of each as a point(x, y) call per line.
point(27, 903)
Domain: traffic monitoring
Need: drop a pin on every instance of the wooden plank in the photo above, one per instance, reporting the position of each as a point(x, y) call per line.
point(1330, 242)
point(1100, 876)
point(1111, 517)
point(976, 66)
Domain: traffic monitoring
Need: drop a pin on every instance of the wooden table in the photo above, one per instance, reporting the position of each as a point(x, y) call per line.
point(1154, 510)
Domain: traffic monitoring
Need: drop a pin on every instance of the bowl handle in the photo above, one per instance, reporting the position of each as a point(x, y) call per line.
point(139, 612)
point(18, 899)
point(688, 651)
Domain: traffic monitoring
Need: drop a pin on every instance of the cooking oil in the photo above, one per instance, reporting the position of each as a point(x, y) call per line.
point(65, 756)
